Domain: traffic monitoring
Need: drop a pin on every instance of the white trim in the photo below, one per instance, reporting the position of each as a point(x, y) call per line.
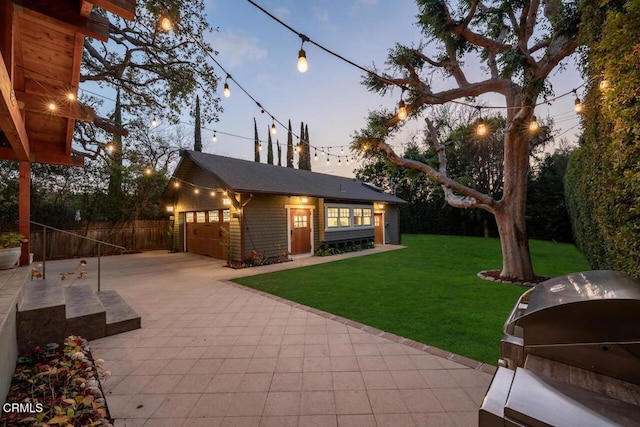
point(289, 225)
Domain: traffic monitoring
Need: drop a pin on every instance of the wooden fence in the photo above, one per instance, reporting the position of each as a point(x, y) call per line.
point(139, 235)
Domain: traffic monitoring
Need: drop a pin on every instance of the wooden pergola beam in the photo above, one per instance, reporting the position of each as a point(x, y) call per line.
point(123, 8)
point(11, 121)
point(38, 103)
point(66, 13)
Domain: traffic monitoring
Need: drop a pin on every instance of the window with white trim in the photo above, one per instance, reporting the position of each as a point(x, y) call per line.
point(189, 216)
point(339, 217)
point(362, 217)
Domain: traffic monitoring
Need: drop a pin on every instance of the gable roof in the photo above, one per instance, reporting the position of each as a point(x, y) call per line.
point(243, 176)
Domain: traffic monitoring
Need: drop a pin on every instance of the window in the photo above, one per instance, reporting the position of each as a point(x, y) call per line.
point(338, 217)
point(300, 221)
point(200, 217)
point(226, 215)
point(214, 216)
point(362, 217)
point(348, 216)
point(189, 216)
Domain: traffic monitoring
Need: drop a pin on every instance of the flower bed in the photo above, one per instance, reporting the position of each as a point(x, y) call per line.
point(57, 385)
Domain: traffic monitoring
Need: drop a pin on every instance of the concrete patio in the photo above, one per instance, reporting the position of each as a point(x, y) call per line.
point(213, 353)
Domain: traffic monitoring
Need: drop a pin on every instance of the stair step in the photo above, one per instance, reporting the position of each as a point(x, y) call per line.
point(86, 316)
point(120, 316)
point(41, 314)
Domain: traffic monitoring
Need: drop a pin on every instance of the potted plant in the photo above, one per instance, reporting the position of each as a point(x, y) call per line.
point(10, 249)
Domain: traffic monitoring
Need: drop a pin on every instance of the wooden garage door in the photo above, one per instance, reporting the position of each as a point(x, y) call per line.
point(205, 232)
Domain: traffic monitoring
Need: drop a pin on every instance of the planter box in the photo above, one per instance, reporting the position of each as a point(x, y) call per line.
point(9, 257)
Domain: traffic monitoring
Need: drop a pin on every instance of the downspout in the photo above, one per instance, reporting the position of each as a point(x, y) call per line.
point(242, 230)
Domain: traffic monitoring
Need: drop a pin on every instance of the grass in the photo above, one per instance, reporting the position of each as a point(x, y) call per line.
point(428, 292)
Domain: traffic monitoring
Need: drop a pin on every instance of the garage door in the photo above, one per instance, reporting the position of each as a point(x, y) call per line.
point(205, 234)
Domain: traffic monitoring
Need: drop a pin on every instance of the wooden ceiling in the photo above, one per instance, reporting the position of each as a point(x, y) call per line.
point(41, 43)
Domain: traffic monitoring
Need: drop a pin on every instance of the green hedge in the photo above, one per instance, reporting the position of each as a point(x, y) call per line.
point(603, 177)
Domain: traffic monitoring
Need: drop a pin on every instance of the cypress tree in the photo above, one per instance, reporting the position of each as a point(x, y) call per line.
point(197, 134)
point(307, 149)
point(300, 147)
point(269, 149)
point(290, 147)
point(279, 153)
point(256, 142)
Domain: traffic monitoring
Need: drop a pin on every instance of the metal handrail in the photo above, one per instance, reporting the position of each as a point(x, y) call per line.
point(44, 246)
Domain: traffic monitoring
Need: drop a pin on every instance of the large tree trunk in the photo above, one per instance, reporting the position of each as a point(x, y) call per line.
point(510, 211)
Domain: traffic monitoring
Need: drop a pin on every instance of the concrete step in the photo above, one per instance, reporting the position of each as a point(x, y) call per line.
point(120, 316)
point(41, 315)
point(86, 316)
point(51, 310)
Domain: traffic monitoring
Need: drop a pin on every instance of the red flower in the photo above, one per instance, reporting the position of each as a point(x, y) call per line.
point(37, 348)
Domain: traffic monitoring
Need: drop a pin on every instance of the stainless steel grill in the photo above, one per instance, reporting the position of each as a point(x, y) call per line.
point(570, 355)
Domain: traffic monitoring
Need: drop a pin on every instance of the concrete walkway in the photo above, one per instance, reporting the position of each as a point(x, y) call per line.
point(212, 353)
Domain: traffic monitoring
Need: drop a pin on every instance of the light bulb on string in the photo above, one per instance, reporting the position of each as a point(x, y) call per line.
point(303, 66)
point(402, 108)
point(196, 191)
point(481, 126)
point(215, 137)
point(604, 84)
point(315, 155)
point(166, 24)
point(148, 171)
point(339, 163)
point(226, 91)
point(213, 194)
point(578, 106)
point(52, 106)
point(273, 126)
point(533, 125)
point(328, 161)
point(176, 184)
point(341, 150)
point(154, 122)
point(260, 147)
point(71, 96)
point(347, 162)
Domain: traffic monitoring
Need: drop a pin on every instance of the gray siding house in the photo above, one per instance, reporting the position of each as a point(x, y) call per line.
point(234, 209)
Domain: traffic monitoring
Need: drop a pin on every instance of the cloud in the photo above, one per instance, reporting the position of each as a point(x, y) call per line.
point(239, 48)
point(365, 3)
point(281, 12)
point(322, 15)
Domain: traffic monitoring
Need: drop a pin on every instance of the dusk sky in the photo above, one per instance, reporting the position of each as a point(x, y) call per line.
point(261, 55)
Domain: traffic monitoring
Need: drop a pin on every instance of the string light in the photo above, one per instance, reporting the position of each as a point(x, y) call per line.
point(52, 106)
point(578, 104)
point(273, 126)
point(213, 193)
point(339, 164)
point(315, 155)
point(148, 171)
point(166, 24)
point(71, 96)
point(604, 84)
point(196, 191)
point(176, 184)
point(303, 66)
point(328, 161)
point(154, 122)
point(534, 126)
point(481, 127)
point(214, 137)
point(226, 91)
point(402, 109)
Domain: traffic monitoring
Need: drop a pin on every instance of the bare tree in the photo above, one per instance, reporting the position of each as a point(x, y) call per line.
point(520, 42)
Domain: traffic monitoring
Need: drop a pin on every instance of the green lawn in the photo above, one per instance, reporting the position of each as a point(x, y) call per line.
point(428, 292)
